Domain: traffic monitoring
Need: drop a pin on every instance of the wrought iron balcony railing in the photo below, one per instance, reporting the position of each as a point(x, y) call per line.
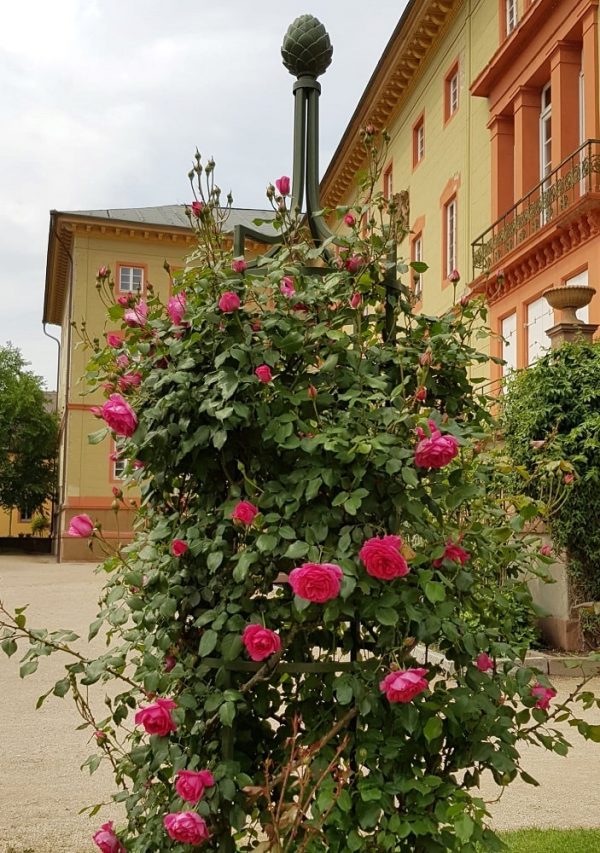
point(570, 181)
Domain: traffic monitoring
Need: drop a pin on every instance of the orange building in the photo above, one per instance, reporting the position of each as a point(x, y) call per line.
point(492, 107)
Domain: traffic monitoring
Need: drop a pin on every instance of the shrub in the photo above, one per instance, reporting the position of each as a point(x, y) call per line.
point(318, 512)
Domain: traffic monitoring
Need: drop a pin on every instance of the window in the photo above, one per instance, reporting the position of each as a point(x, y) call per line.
point(540, 318)
point(131, 279)
point(388, 182)
point(451, 92)
point(509, 345)
point(417, 255)
point(418, 141)
point(24, 515)
point(511, 16)
point(546, 147)
point(450, 237)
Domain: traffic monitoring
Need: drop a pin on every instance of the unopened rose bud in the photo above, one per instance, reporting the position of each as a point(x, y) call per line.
point(117, 492)
point(454, 277)
point(101, 737)
point(169, 663)
point(464, 300)
point(115, 505)
point(312, 392)
point(421, 394)
point(355, 300)
point(270, 191)
point(425, 358)
point(350, 220)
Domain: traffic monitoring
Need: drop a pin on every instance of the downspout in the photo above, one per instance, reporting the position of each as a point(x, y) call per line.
point(61, 496)
point(57, 341)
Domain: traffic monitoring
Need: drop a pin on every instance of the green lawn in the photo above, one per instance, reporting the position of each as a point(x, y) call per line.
point(553, 841)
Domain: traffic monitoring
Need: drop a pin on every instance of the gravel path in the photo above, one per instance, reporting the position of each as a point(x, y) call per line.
point(42, 788)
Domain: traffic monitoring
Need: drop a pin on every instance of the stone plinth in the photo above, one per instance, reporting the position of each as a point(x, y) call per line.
point(566, 333)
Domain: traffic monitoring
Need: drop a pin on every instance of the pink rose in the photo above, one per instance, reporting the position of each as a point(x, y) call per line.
point(283, 185)
point(454, 553)
point(454, 277)
point(239, 265)
point(317, 582)
point(136, 316)
point(382, 558)
point(546, 550)
point(176, 308)
point(119, 415)
point(122, 361)
point(543, 695)
point(354, 263)
point(178, 547)
point(350, 220)
point(81, 525)
point(264, 373)
point(197, 208)
point(114, 340)
point(103, 272)
point(123, 300)
point(229, 302)
point(106, 839)
point(191, 784)
point(484, 662)
point(437, 450)
point(287, 286)
point(130, 380)
point(245, 512)
point(404, 684)
point(260, 642)
point(187, 827)
point(421, 394)
point(465, 299)
point(355, 300)
point(156, 719)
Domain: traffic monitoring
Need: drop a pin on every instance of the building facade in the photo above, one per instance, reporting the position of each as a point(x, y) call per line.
point(136, 244)
point(492, 109)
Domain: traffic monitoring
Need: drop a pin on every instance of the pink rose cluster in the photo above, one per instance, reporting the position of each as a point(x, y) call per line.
point(156, 719)
point(402, 685)
point(136, 316)
point(176, 308)
point(81, 526)
point(244, 513)
point(316, 582)
point(260, 642)
point(106, 840)
point(382, 558)
point(435, 450)
point(119, 415)
point(543, 695)
point(191, 784)
point(187, 827)
point(229, 302)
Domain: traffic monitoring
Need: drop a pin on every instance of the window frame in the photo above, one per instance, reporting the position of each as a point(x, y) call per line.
point(388, 180)
point(511, 12)
point(418, 140)
point(123, 265)
point(507, 369)
point(453, 74)
point(450, 239)
point(416, 254)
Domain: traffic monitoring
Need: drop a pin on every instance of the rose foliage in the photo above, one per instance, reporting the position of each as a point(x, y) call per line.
point(338, 702)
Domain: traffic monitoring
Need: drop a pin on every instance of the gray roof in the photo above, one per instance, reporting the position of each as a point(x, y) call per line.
point(173, 216)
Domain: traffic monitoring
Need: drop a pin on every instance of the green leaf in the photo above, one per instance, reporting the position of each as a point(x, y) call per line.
point(208, 642)
point(61, 688)
point(98, 436)
point(432, 729)
point(386, 616)
point(296, 549)
point(9, 647)
point(266, 542)
point(464, 827)
point(28, 668)
point(435, 591)
point(214, 560)
point(231, 646)
point(227, 713)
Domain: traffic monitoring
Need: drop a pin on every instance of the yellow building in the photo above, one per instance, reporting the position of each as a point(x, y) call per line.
point(134, 243)
point(492, 107)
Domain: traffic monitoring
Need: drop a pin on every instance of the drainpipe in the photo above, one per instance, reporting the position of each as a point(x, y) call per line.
point(57, 341)
point(61, 496)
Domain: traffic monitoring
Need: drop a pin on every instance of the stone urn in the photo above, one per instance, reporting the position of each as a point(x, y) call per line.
point(569, 299)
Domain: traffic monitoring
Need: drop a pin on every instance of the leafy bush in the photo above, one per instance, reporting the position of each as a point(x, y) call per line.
point(551, 421)
point(318, 511)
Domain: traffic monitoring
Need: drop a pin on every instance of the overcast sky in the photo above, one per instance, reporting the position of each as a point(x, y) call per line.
point(102, 103)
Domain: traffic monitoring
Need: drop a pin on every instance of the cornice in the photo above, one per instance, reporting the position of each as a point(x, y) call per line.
point(417, 33)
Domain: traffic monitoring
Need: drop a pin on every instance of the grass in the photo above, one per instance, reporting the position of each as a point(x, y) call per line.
point(553, 841)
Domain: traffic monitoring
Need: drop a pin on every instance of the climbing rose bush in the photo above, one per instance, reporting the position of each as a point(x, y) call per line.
point(296, 559)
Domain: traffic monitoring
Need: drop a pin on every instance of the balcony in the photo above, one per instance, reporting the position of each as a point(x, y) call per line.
point(568, 190)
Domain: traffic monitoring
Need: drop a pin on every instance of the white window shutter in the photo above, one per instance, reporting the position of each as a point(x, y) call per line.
point(540, 318)
point(581, 280)
point(509, 346)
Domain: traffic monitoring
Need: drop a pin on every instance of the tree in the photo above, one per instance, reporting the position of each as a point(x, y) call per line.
point(28, 436)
